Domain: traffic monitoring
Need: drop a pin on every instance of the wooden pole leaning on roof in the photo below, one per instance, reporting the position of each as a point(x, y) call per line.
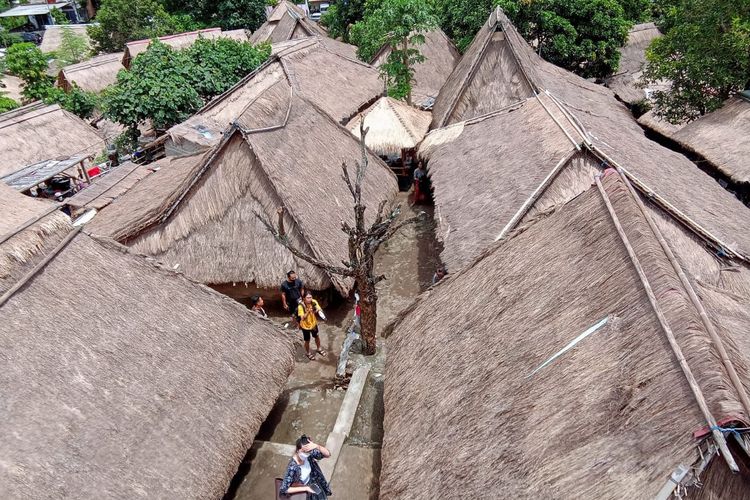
point(694, 387)
point(693, 298)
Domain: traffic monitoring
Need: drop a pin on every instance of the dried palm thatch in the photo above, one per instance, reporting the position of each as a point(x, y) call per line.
point(625, 82)
point(112, 185)
point(611, 418)
point(500, 184)
point(286, 22)
point(52, 37)
point(126, 380)
point(304, 66)
point(38, 132)
point(240, 35)
point(441, 56)
point(393, 125)
point(721, 138)
point(197, 214)
point(44, 224)
point(93, 75)
point(11, 86)
point(178, 41)
point(651, 121)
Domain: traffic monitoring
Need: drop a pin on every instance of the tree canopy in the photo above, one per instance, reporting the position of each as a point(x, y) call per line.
point(166, 86)
point(704, 53)
point(341, 16)
point(461, 19)
point(73, 49)
point(583, 36)
point(227, 14)
point(400, 24)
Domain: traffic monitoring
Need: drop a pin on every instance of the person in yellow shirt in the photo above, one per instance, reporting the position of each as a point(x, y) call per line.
point(307, 315)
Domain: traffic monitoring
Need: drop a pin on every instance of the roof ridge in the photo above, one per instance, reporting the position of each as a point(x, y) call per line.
point(400, 118)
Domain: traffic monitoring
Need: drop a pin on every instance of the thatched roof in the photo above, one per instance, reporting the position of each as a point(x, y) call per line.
point(632, 59)
point(286, 22)
point(37, 132)
point(52, 35)
point(108, 187)
point(45, 224)
point(316, 68)
point(178, 41)
point(93, 75)
point(197, 212)
point(441, 56)
point(721, 138)
point(393, 125)
point(125, 380)
point(614, 416)
point(489, 171)
point(12, 86)
point(652, 122)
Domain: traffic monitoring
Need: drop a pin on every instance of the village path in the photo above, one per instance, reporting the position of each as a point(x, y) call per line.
point(310, 404)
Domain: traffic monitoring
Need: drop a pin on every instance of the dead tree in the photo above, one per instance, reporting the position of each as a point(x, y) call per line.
point(363, 243)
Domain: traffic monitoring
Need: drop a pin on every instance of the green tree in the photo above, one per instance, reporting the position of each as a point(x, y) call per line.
point(583, 36)
point(461, 19)
point(121, 21)
point(341, 16)
point(401, 24)
point(637, 11)
point(704, 53)
point(227, 14)
point(73, 48)
point(27, 62)
point(59, 16)
point(166, 86)
point(6, 103)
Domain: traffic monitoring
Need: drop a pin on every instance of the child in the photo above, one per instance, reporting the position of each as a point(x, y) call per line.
point(308, 323)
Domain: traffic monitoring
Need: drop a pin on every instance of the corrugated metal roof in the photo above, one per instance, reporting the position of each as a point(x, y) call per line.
point(31, 175)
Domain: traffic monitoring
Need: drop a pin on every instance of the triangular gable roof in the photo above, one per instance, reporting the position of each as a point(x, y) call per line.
point(441, 56)
point(268, 159)
point(93, 75)
point(393, 125)
point(303, 65)
point(588, 116)
point(287, 21)
point(624, 83)
point(571, 347)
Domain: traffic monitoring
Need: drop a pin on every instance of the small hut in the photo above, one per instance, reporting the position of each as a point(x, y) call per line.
point(441, 56)
point(610, 354)
point(121, 379)
point(93, 75)
point(197, 213)
point(303, 67)
point(38, 132)
point(524, 153)
point(395, 129)
point(625, 82)
point(178, 41)
point(52, 35)
point(287, 21)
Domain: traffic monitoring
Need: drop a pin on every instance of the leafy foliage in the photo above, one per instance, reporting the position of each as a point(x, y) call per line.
point(7, 39)
point(59, 16)
point(121, 21)
point(167, 85)
point(705, 54)
point(582, 36)
point(73, 48)
point(461, 19)
point(637, 11)
point(341, 16)
point(399, 24)
point(9, 23)
point(77, 101)
point(227, 14)
point(6, 103)
point(27, 62)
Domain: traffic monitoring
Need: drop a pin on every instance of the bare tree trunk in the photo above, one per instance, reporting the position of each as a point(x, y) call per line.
point(368, 303)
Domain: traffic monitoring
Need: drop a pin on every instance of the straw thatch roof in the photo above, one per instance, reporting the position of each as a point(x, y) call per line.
point(93, 75)
point(178, 41)
point(652, 122)
point(624, 83)
point(38, 132)
point(316, 68)
point(19, 250)
point(614, 416)
point(393, 125)
point(52, 35)
point(197, 212)
point(108, 187)
point(11, 86)
point(489, 171)
point(441, 56)
point(286, 22)
point(721, 138)
point(126, 380)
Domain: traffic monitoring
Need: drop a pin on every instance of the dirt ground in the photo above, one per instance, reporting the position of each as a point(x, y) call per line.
point(310, 403)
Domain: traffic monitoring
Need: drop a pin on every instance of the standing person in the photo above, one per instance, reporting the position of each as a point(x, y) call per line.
point(292, 291)
point(439, 274)
point(303, 474)
point(256, 306)
point(420, 174)
point(308, 312)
